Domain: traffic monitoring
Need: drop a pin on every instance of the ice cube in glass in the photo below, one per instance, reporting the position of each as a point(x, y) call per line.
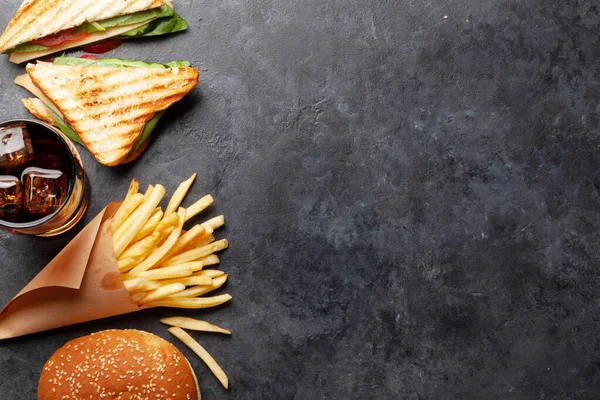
point(15, 146)
point(11, 197)
point(44, 189)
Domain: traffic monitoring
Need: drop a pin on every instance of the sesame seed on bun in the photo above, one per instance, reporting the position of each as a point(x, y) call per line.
point(118, 364)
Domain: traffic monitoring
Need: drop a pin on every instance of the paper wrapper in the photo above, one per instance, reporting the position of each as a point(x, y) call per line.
point(82, 283)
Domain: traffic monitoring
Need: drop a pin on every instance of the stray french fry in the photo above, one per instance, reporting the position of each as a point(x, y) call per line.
point(126, 264)
point(211, 273)
point(179, 195)
point(202, 353)
point(162, 292)
point(193, 325)
point(161, 273)
point(201, 290)
point(150, 226)
point(215, 222)
point(199, 206)
point(196, 254)
point(125, 211)
point(146, 209)
point(198, 280)
point(161, 251)
point(191, 303)
point(143, 248)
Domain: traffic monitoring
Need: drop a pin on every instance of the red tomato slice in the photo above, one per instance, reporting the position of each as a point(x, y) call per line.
point(89, 57)
point(103, 47)
point(68, 35)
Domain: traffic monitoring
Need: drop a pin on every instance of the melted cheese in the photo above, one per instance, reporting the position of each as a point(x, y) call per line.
point(26, 82)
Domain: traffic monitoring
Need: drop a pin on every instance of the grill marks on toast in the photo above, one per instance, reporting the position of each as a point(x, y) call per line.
point(36, 19)
point(109, 107)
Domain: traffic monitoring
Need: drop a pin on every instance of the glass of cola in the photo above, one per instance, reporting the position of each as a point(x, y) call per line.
point(43, 188)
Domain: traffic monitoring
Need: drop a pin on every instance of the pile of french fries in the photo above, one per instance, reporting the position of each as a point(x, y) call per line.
point(162, 264)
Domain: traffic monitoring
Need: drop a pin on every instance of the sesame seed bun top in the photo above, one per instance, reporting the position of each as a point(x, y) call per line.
point(117, 364)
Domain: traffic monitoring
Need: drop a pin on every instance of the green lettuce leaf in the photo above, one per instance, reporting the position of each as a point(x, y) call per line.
point(130, 19)
point(179, 64)
point(27, 48)
point(117, 62)
point(105, 62)
point(158, 27)
point(150, 125)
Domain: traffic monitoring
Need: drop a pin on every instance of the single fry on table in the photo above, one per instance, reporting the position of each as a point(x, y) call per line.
point(202, 353)
point(193, 325)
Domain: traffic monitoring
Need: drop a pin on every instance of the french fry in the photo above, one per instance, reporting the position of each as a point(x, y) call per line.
point(193, 325)
point(143, 248)
point(150, 226)
point(134, 187)
point(167, 222)
point(193, 303)
point(162, 292)
point(213, 259)
point(215, 222)
point(196, 254)
point(141, 285)
point(199, 206)
point(161, 251)
point(125, 211)
point(198, 280)
point(138, 296)
point(211, 273)
point(135, 285)
point(134, 216)
point(201, 290)
point(185, 239)
point(180, 271)
point(202, 353)
point(152, 285)
point(146, 209)
point(199, 242)
point(126, 264)
point(179, 195)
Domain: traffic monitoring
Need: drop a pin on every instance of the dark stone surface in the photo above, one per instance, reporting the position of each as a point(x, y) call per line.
point(412, 201)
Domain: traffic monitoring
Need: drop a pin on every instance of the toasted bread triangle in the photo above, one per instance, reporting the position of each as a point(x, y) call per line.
point(36, 19)
point(108, 108)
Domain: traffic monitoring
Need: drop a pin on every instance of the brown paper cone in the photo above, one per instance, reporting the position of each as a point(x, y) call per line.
point(82, 283)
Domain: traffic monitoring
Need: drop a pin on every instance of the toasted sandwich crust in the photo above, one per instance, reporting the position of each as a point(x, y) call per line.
point(108, 108)
point(39, 110)
point(36, 19)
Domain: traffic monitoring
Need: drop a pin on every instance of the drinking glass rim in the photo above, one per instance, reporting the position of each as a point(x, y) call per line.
point(72, 175)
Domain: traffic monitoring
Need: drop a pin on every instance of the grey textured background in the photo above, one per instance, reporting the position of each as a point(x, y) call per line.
point(412, 201)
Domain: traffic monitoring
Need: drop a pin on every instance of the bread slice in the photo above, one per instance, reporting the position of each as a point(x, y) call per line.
point(108, 107)
point(36, 19)
point(39, 110)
